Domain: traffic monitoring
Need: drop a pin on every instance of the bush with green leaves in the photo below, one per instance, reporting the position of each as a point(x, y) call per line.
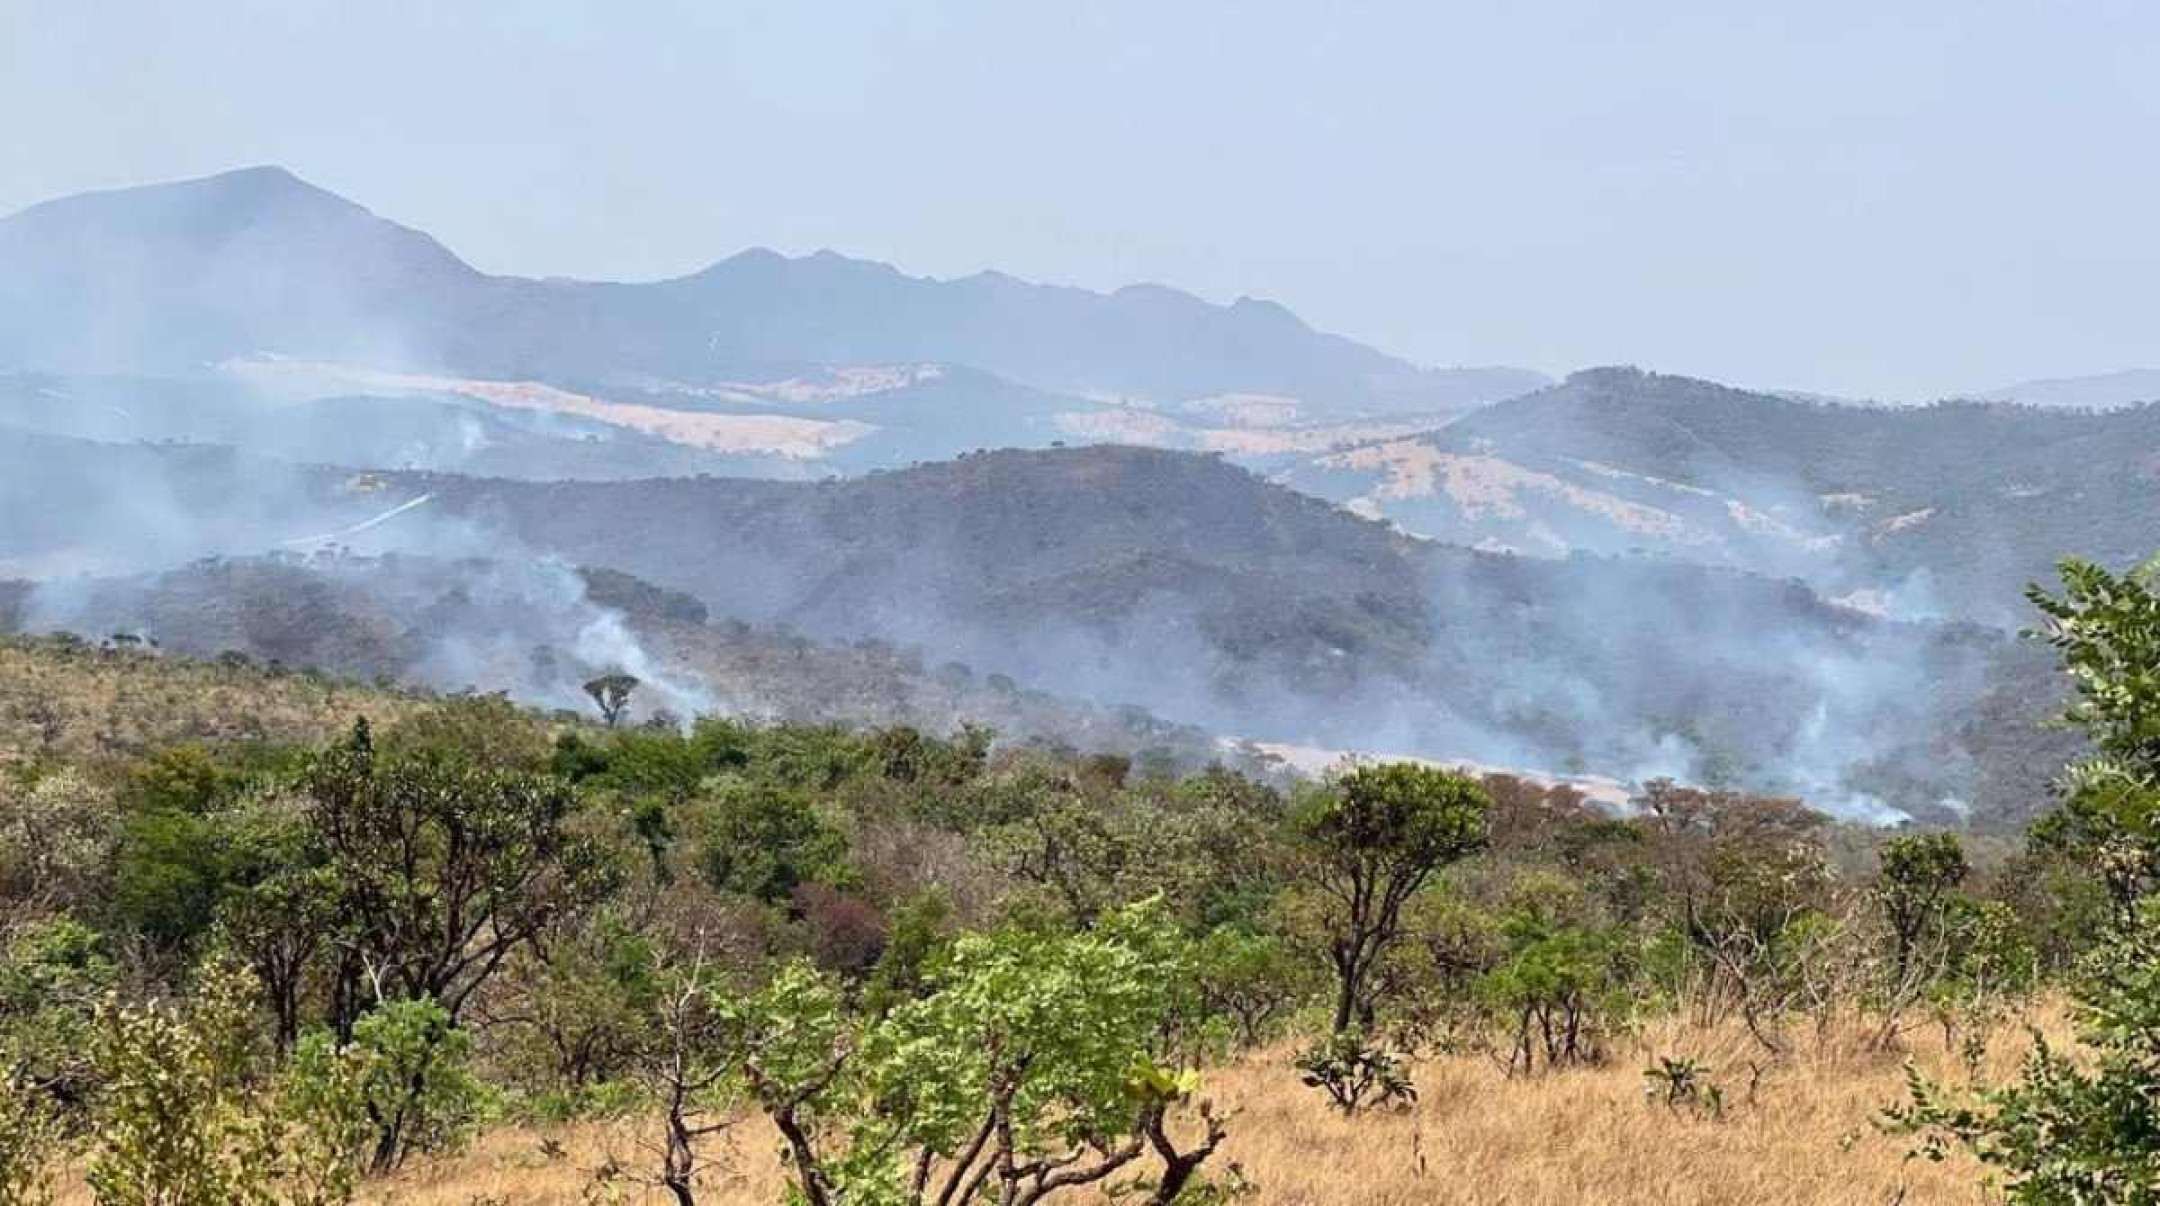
point(2105, 627)
point(1033, 1065)
point(2069, 1128)
point(1356, 1073)
point(33, 1140)
point(1683, 1085)
point(764, 841)
point(443, 865)
point(54, 974)
point(189, 1113)
point(410, 1065)
point(2086, 1127)
point(1250, 982)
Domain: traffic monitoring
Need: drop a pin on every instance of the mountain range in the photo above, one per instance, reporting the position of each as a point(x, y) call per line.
point(282, 289)
point(243, 413)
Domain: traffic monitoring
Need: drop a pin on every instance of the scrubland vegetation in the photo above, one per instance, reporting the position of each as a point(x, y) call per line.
point(270, 938)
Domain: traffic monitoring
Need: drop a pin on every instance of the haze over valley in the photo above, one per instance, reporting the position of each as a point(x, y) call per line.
point(1120, 604)
point(1212, 521)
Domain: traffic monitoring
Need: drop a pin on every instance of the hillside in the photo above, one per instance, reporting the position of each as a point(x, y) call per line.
point(1197, 589)
point(1947, 509)
point(276, 289)
point(537, 633)
point(75, 700)
point(1174, 582)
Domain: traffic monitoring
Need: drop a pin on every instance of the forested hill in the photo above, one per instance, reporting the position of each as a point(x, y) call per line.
point(1202, 591)
point(1174, 582)
point(1946, 509)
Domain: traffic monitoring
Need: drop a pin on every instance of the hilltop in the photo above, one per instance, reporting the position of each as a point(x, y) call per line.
point(271, 289)
point(1944, 510)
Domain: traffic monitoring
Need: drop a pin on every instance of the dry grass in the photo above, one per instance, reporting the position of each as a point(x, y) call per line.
point(86, 703)
point(1475, 1139)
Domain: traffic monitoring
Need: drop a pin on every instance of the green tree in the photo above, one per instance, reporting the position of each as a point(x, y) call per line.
point(189, 1114)
point(2088, 1129)
point(443, 867)
point(1033, 1067)
point(1369, 843)
point(2105, 629)
point(611, 694)
point(1914, 885)
point(33, 1141)
point(764, 841)
point(54, 974)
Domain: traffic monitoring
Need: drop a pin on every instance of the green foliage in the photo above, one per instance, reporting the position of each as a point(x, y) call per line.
point(482, 730)
point(1031, 1065)
point(180, 778)
point(443, 866)
point(56, 837)
point(2088, 1129)
point(1368, 845)
point(1919, 872)
point(918, 939)
point(33, 1141)
point(2069, 1129)
point(410, 1073)
point(1356, 1073)
point(1046, 1029)
point(1254, 980)
point(2106, 630)
point(764, 841)
point(54, 973)
point(168, 875)
point(188, 1115)
point(1557, 985)
point(1683, 1085)
point(2105, 627)
point(575, 1017)
point(611, 694)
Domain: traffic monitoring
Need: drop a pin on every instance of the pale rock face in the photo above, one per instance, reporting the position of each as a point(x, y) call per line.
point(1905, 522)
point(1485, 486)
point(788, 436)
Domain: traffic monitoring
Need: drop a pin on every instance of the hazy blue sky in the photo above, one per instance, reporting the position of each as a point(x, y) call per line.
point(1883, 197)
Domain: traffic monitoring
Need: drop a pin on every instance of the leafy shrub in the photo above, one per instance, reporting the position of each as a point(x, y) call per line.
point(1355, 1073)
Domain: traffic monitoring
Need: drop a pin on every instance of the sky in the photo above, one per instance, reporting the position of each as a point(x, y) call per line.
point(1892, 200)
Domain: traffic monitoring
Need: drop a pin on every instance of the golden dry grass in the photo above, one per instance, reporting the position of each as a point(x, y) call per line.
point(87, 703)
point(1475, 1138)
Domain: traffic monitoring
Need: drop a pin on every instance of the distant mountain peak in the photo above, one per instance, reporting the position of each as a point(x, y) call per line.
point(239, 193)
point(2126, 387)
point(259, 260)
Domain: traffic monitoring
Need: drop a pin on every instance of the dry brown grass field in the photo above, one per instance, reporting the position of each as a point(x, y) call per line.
point(87, 702)
point(1476, 1138)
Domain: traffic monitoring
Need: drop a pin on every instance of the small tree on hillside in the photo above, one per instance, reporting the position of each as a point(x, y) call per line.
point(1369, 845)
point(611, 694)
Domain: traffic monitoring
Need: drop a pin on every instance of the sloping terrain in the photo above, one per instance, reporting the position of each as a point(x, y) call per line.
point(2130, 387)
point(1175, 582)
point(266, 283)
point(1947, 509)
point(1195, 588)
point(537, 632)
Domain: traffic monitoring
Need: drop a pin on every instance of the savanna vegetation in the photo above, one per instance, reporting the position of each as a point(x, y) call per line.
point(269, 938)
